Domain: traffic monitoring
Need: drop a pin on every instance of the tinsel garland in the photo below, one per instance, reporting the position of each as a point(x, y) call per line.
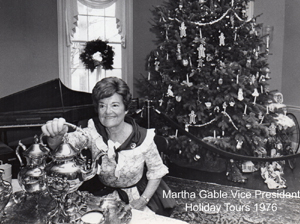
point(93, 47)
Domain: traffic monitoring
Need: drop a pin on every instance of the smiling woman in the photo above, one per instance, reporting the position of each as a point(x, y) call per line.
point(131, 168)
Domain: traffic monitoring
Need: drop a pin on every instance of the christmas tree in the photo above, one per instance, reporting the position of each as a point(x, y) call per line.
point(210, 74)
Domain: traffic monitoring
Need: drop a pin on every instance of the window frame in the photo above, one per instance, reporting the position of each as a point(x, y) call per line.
point(64, 52)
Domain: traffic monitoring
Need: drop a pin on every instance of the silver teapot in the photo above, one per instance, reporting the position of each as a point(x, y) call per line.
point(65, 174)
point(69, 165)
point(32, 177)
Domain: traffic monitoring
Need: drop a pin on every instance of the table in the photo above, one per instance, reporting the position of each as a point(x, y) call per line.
point(138, 217)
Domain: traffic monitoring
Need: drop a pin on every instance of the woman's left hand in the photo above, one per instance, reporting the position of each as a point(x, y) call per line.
point(139, 204)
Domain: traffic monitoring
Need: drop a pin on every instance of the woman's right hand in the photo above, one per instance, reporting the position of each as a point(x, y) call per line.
point(55, 127)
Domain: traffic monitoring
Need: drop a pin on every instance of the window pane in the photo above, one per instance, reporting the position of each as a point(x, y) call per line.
point(80, 80)
point(81, 29)
point(110, 11)
point(111, 30)
point(118, 55)
point(96, 28)
point(96, 12)
point(75, 52)
point(114, 72)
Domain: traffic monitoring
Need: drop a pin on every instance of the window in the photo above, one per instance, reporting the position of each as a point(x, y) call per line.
point(94, 24)
point(91, 23)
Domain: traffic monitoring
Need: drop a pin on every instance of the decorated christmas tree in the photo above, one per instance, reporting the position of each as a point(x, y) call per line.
point(209, 73)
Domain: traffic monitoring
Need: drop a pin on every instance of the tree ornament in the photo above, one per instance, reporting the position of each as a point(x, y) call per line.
point(245, 110)
point(208, 105)
point(260, 115)
point(180, 5)
point(178, 54)
point(248, 63)
point(278, 97)
point(217, 109)
point(209, 57)
point(240, 94)
point(239, 144)
point(192, 116)
point(255, 54)
point(201, 51)
point(272, 129)
point(252, 80)
point(265, 70)
point(200, 33)
point(156, 63)
point(192, 72)
point(170, 92)
point(232, 21)
point(178, 98)
point(231, 102)
point(167, 31)
point(262, 78)
point(161, 102)
point(185, 62)
point(220, 81)
point(222, 39)
point(187, 82)
point(200, 62)
point(182, 29)
point(235, 34)
point(224, 106)
point(255, 94)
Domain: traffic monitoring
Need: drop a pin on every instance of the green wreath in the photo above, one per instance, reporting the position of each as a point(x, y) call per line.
point(105, 51)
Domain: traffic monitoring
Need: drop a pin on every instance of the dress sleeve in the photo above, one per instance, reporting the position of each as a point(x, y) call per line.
point(155, 166)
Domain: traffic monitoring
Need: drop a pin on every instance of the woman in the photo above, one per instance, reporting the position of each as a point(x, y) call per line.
point(128, 148)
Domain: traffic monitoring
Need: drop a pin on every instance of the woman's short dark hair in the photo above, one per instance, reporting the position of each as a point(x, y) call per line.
point(109, 86)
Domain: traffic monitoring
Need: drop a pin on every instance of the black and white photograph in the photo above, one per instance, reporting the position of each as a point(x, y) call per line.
point(149, 112)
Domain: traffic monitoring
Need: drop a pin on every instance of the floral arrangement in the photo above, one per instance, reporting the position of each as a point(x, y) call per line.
point(97, 52)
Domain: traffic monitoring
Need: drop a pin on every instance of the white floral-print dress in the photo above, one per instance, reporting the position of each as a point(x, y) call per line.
point(130, 166)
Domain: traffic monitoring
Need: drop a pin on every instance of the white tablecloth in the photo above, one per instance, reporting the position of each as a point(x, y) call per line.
point(138, 217)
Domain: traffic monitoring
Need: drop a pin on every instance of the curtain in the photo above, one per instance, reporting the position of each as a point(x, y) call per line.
point(71, 15)
point(67, 14)
point(121, 20)
point(97, 4)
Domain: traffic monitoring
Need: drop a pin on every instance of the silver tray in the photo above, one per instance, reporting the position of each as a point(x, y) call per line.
point(24, 208)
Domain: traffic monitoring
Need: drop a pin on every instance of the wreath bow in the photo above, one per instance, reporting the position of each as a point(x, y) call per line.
point(105, 51)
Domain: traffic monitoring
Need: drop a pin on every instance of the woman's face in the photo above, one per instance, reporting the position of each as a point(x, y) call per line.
point(111, 111)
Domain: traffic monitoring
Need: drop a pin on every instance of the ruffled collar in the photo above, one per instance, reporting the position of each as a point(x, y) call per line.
point(134, 140)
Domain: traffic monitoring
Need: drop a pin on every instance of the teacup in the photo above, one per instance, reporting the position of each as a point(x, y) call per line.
point(92, 217)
